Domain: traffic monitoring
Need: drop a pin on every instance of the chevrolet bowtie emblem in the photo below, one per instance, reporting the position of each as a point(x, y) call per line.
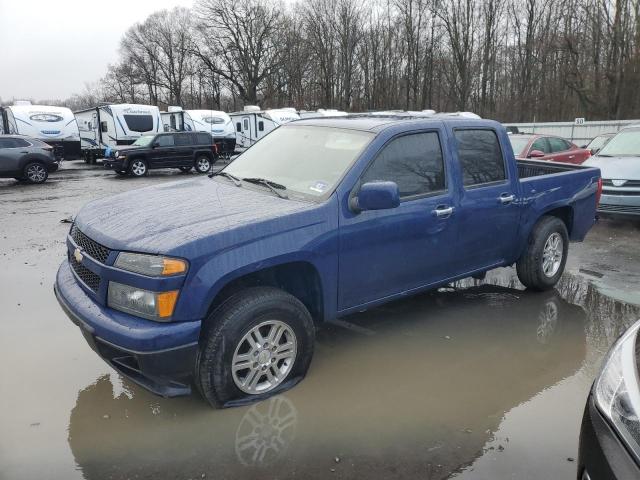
point(77, 254)
point(618, 183)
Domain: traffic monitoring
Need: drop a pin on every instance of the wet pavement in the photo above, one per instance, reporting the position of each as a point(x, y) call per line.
point(480, 380)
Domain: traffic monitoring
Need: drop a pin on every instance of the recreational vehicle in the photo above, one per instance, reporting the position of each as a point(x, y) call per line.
point(252, 123)
point(214, 122)
point(53, 125)
point(322, 112)
point(107, 127)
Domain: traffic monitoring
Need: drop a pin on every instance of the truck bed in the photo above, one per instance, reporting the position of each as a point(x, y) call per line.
point(537, 168)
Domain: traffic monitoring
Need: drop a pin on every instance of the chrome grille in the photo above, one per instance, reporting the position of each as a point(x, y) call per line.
point(90, 279)
point(627, 209)
point(629, 183)
point(90, 247)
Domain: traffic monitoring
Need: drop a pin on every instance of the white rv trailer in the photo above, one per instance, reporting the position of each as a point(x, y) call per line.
point(322, 112)
point(53, 125)
point(214, 122)
point(109, 126)
point(252, 123)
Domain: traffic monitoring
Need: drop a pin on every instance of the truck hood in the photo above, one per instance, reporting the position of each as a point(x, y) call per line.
point(616, 168)
point(162, 218)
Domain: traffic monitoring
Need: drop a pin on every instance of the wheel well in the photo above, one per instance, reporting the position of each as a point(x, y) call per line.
point(565, 214)
point(300, 279)
point(209, 155)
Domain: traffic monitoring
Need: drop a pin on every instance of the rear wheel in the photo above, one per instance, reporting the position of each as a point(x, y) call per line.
point(138, 168)
point(256, 344)
point(35, 172)
point(203, 164)
point(542, 262)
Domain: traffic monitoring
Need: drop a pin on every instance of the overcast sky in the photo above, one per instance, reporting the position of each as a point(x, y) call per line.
point(50, 49)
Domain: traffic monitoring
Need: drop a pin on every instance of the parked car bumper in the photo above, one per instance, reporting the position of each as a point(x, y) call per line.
point(602, 454)
point(115, 164)
point(619, 204)
point(158, 356)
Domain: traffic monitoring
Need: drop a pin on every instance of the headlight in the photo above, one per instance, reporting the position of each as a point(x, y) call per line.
point(617, 392)
point(116, 154)
point(151, 265)
point(142, 303)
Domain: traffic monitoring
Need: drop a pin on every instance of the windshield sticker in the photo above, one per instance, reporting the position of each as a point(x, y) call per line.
point(319, 187)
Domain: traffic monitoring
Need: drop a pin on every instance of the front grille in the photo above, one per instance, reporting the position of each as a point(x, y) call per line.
point(629, 183)
point(628, 209)
point(90, 247)
point(90, 279)
point(633, 193)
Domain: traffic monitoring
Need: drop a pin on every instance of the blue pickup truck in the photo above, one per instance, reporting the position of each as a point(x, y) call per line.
point(220, 283)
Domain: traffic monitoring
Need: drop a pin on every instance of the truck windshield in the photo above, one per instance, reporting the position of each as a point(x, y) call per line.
point(306, 160)
point(143, 141)
point(625, 143)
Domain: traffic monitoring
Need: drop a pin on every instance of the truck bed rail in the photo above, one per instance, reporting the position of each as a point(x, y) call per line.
point(536, 168)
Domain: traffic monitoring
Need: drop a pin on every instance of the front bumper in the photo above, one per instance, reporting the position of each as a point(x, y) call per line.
point(602, 454)
point(619, 204)
point(160, 357)
point(115, 164)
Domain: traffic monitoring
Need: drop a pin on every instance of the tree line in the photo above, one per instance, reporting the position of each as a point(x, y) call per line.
point(513, 60)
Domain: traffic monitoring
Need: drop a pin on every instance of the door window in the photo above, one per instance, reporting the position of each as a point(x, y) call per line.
point(104, 127)
point(165, 141)
point(246, 124)
point(414, 162)
point(182, 140)
point(480, 157)
point(261, 126)
point(238, 127)
point(541, 144)
point(558, 145)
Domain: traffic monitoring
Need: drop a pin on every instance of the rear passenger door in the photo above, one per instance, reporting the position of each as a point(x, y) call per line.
point(561, 151)
point(489, 211)
point(184, 149)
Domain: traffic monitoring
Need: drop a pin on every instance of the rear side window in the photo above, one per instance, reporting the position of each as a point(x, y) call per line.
point(480, 157)
point(204, 139)
point(558, 144)
point(541, 144)
point(6, 143)
point(165, 140)
point(139, 123)
point(21, 142)
point(413, 161)
point(183, 140)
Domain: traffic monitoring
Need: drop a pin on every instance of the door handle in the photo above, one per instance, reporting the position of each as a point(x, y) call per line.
point(505, 198)
point(442, 211)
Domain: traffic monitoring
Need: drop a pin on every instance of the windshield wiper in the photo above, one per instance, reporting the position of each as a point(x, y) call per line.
point(273, 186)
point(233, 178)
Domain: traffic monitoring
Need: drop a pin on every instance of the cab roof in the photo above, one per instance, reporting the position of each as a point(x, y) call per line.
point(376, 123)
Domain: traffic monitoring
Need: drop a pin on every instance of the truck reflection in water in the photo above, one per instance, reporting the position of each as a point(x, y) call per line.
point(414, 388)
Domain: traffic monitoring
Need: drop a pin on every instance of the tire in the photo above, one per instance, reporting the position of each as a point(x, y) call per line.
point(35, 172)
point(185, 169)
point(224, 340)
point(53, 168)
point(202, 164)
point(542, 262)
point(138, 167)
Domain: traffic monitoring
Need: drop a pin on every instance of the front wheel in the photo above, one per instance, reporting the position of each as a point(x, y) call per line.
point(256, 344)
point(543, 260)
point(35, 172)
point(138, 168)
point(203, 164)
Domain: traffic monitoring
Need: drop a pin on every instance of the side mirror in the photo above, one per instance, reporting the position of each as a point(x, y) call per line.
point(155, 144)
point(536, 154)
point(593, 151)
point(584, 146)
point(376, 196)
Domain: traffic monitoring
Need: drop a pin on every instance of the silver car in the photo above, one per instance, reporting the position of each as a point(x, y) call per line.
point(26, 159)
point(619, 162)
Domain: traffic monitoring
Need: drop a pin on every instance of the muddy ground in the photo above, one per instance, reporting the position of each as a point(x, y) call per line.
point(482, 380)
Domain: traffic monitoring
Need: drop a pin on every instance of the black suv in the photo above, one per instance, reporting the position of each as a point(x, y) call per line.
point(183, 150)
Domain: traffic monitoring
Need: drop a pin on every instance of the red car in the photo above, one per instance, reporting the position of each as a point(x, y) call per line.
point(547, 147)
